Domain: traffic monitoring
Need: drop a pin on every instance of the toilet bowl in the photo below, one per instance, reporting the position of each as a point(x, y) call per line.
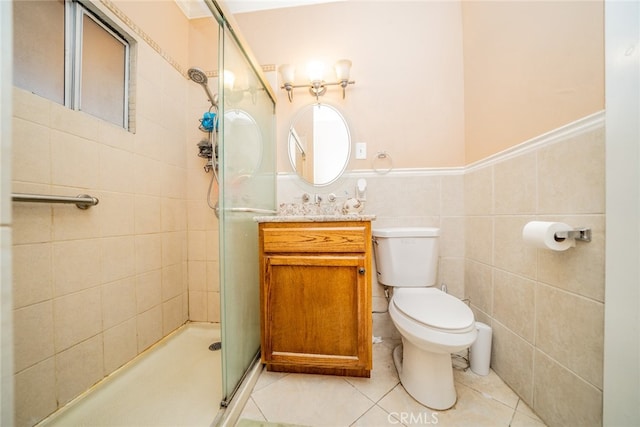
point(432, 323)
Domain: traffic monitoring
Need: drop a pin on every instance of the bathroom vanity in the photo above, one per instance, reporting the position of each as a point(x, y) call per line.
point(315, 294)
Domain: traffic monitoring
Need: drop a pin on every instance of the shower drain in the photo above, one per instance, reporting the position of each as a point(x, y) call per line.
point(215, 346)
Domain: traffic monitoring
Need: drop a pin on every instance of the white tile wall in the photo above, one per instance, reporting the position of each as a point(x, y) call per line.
point(110, 281)
point(546, 308)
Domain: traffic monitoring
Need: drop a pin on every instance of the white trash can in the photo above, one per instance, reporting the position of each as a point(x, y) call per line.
point(480, 352)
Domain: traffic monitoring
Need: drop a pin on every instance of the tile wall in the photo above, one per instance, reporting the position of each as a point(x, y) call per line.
point(546, 308)
point(94, 288)
point(202, 224)
point(400, 198)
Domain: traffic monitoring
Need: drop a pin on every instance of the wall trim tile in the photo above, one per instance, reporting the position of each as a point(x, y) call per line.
point(367, 173)
point(578, 127)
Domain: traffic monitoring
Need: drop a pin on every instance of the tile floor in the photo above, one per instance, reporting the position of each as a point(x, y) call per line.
point(318, 400)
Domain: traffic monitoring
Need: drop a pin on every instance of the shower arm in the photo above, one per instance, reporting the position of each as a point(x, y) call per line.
point(213, 99)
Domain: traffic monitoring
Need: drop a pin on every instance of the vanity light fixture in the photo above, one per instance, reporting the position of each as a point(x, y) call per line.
point(317, 86)
point(234, 90)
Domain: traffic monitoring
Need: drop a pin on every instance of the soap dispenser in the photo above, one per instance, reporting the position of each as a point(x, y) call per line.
point(361, 189)
point(355, 205)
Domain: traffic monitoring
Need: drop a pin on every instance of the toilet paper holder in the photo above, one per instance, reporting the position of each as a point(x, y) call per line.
point(582, 234)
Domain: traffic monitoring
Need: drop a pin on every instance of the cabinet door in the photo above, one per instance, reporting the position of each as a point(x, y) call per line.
point(313, 308)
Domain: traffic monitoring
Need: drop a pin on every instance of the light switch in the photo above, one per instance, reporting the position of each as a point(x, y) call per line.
point(361, 150)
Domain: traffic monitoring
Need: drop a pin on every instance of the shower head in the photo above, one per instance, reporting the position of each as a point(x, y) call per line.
point(199, 76)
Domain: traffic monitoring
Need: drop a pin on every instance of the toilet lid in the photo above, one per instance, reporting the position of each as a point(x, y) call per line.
point(433, 307)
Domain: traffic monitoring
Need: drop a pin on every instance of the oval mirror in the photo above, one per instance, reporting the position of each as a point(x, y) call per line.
point(319, 144)
point(243, 154)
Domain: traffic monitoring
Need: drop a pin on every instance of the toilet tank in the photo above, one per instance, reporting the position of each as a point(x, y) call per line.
point(406, 256)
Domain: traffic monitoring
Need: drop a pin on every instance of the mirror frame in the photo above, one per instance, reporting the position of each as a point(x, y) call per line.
point(291, 140)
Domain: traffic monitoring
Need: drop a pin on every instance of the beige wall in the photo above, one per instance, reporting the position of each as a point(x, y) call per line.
point(163, 22)
point(6, 312)
point(622, 293)
point(529, 67)
point(92, 289)
point(407, 64)
point(442, 83)
point(203, 45)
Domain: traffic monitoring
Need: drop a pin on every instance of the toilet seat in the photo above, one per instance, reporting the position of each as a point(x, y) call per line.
point(434, 309)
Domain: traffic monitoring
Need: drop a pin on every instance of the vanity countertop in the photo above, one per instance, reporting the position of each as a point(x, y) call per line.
point(314, 218)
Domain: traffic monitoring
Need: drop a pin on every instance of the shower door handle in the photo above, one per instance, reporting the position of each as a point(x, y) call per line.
point(254, 210)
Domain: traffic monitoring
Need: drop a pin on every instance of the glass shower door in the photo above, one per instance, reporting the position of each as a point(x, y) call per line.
point(248, 188)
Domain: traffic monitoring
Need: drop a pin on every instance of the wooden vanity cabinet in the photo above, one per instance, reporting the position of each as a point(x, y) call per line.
point(315, 297)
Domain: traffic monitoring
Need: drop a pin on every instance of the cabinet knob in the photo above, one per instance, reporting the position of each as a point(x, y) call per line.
point(361, 270)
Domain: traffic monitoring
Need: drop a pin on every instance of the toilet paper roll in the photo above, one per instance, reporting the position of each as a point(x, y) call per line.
point(541, 234)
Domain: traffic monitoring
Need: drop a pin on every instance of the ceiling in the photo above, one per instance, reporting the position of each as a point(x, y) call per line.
point(198, 9)
point(239, 6)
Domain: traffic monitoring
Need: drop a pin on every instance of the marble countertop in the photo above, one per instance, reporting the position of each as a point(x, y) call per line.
point(314, 218)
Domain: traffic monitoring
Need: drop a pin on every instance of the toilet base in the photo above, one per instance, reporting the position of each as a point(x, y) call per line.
point(426, 376)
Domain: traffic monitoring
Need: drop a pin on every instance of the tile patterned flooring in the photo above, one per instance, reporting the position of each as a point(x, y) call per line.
point(319, 400)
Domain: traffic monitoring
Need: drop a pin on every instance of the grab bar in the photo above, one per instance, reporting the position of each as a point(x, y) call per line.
point(82, 201)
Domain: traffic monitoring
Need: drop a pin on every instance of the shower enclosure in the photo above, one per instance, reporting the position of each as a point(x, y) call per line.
point(247, 188)
point(94, 291)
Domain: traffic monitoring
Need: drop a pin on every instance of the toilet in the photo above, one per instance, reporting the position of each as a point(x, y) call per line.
point(432, 323)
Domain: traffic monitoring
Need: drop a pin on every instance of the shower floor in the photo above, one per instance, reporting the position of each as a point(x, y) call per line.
point(177, 382)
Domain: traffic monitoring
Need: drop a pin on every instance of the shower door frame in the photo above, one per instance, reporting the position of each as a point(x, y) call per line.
point(237, 229)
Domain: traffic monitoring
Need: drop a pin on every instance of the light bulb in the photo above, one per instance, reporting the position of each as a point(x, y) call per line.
point(315, 69)
point(342, 69)
point(229, 79)
point(287, 72)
